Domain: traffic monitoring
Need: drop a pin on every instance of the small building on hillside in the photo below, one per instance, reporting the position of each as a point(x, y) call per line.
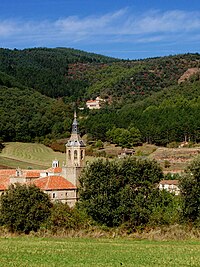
point(126, 152)
point(95, 104)
point(170, 186)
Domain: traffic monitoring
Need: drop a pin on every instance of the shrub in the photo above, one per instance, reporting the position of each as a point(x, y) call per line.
point(24, 208)
point(99, 144)
point(167, 164)
point(165, 209)
point(63, 218)
point(173, 145)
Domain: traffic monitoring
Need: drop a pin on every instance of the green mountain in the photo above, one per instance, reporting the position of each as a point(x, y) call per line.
point(46, 70)
point(78, 75)
point(40, 86)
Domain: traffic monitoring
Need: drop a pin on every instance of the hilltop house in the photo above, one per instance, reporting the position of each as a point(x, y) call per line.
point(60, 183)
point(94, 104)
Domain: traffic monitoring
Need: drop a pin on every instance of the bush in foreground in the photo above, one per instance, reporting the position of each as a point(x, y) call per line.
point(24, 208)
point(65, 218)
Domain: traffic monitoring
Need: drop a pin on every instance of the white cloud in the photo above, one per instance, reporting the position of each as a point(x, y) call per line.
point(171, 21)
point(121, 26)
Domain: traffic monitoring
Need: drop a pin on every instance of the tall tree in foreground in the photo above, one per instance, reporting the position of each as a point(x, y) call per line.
point(116, 192)
point(190, 192)
point(23, 208)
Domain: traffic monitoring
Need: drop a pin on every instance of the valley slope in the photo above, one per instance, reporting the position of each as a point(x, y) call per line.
point(41, 87)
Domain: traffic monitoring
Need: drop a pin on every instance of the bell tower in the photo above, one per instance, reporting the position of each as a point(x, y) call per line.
point(75, 155)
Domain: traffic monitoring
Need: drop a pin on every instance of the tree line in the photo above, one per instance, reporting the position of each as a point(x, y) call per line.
point(165, 117)
point(121, 194)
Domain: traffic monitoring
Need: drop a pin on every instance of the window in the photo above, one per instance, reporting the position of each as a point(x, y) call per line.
point(82, 154)
point(54, 195)
point(69, 154)
point(75, 154)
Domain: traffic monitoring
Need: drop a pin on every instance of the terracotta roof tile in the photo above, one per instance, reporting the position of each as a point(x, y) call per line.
point(4, 183)
point(91, 101)
point(7, 172)
point(57, 170)
point(170, 182)
point(32, 174)
point(53, 183)
point(54, 170)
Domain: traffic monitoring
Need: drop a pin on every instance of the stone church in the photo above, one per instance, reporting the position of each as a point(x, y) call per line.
point(60, 183)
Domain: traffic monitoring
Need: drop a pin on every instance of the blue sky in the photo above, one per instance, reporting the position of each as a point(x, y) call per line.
point(126, 29)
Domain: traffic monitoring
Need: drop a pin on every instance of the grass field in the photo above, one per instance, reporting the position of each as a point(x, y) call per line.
point(28, 155)
point(75, 252)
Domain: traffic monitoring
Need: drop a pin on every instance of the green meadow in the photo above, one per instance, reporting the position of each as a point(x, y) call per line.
point(29, 155)
point(32, 251)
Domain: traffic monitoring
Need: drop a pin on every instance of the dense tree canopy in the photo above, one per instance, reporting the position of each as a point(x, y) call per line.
point(120, 192)
point(46, 70)
point(26, 114)
point(124, 137)
point(167, 116)
point(23, 208)
point(190, 192)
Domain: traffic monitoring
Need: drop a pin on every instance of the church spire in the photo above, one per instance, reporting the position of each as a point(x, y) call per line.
point(75, 139)
point(75, 124)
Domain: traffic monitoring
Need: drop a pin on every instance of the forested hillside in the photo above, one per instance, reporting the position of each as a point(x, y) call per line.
point(170, 115)
point(26, 115)
point(130, 81)
point(40, 88)
point(77, 75)
point(46, 70)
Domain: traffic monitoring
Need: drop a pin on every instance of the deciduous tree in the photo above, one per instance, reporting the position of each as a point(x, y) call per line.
point(24, 208)
point(116, 192)
point(190, 192)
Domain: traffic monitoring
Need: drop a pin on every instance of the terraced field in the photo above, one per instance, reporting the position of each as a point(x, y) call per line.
point(28, 155)
point(178, 158)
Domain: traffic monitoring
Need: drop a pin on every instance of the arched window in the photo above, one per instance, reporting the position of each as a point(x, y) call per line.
point(82, 154)
point(69, 154)
point(75, 154)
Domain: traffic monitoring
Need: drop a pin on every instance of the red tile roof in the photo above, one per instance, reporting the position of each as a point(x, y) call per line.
point(54, 170)
point(91, 101)
point(32, 173)
point(53, 183)
point(57, 170)
point(4, 183)
point(169, 182)
point(25, 173)
point(7, 172)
